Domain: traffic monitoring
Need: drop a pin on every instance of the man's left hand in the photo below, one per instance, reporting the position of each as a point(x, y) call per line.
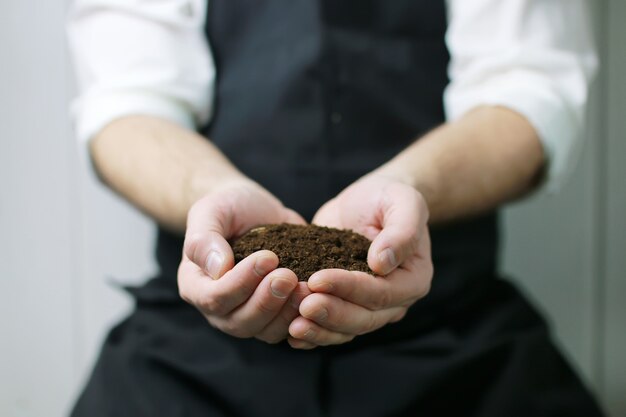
point(345, 304)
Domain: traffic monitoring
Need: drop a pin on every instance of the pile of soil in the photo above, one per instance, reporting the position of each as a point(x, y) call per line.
point(306, 249)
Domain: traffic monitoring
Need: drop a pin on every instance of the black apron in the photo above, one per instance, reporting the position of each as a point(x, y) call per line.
point(311, 95)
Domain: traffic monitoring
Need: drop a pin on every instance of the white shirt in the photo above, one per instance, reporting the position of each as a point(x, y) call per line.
point(151, 57)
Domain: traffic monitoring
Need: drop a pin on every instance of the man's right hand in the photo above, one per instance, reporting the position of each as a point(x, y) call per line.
point(252, 298)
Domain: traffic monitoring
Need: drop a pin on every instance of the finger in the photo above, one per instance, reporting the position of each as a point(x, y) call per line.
point(308, 331)
point(265, 303)
point(278, 329)
point(400, 287)
point(208, 226)
point(235, 287)
point(300, 293)
point(335, 314)
point(300, 344)
point(328, 215)
point(293, 217)
point(403, 219)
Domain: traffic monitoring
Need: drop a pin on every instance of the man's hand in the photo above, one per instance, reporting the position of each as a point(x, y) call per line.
point(345, 304)
point(252, 298)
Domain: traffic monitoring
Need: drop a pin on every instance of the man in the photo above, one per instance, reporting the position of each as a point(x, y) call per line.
point(331, 112)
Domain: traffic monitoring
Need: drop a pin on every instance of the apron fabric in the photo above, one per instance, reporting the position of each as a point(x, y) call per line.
point(310, 96)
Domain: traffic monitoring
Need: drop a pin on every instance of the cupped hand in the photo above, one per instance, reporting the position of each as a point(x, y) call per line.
point(345, 304)
point(252, 298)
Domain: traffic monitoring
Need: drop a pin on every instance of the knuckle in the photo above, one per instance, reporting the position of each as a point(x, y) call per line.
point(425, 288)
point(335, 314)
point(422, 206)
point(227, 327)
point(385, 298)
point(182, 293)
point(414, 241)
point(212, 322)
point(380, 300)
point(428, 279)
point(271, 339)
point(274, 340)
point(423, 283)
point(344, 338)
point(429, 270)
point(318, 300)
point(244, 289)
point(192, 246)
point(369, 325)
point(212, 304)
point(235, 329)
point(266, 306)
point(335, 321)
point(399, 316)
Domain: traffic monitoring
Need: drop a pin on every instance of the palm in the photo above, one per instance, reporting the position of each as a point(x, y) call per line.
point(345, 304)
point(356, 208)
point(240, 209)
point(248, 299)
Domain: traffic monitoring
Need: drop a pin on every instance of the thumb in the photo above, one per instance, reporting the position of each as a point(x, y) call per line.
point(403, 216)
point(328, 215)
point(293, 217)
point(205, 239)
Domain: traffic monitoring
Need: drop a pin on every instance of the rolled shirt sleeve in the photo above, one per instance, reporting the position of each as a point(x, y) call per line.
point(140, 57)
point(535, 57)
point(152, 57)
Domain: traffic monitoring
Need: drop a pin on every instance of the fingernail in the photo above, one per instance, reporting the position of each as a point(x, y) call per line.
point(320, 315)
point(388, 259)
point(295, 301)
point(309, 334)
point(214, 263)
point(263, 266)
point(320, 286)
point(281, 288)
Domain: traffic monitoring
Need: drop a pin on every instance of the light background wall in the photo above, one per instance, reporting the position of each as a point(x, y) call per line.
point(65, 241)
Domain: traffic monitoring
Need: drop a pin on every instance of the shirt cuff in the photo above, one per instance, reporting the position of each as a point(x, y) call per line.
point(557, 125)
point(92, 112)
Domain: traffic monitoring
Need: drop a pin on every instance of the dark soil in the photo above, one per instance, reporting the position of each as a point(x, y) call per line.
point(306, 249)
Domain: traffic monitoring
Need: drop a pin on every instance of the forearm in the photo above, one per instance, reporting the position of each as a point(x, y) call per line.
point(490, 156)
point(159, 167)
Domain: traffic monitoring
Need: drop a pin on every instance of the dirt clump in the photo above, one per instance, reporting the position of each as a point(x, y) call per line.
point(306, 249)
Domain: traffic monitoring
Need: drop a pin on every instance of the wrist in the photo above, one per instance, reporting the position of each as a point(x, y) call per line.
point(414, 172)
point(201, 186)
